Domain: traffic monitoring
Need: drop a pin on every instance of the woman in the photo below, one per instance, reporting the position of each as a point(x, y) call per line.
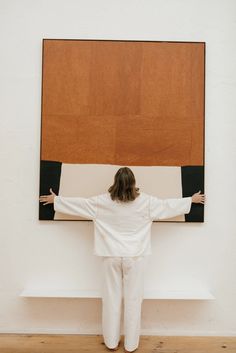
point(122, 218)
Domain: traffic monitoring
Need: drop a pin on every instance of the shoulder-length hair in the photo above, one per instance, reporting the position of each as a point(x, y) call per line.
point(123, 188)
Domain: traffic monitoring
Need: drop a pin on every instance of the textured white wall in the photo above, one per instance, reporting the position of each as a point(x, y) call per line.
point(40, 252)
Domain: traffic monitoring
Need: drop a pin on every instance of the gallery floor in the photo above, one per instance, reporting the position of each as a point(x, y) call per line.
point(71, 343)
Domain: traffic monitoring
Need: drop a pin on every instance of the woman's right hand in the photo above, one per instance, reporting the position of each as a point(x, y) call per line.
point(198, 197)
point(47, 198)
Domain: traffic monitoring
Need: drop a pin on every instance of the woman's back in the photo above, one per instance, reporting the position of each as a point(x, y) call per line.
point(127, 216)
point(122, 228)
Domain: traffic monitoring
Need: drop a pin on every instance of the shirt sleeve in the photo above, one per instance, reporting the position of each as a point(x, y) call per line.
point(168, 208)
point(77, 206)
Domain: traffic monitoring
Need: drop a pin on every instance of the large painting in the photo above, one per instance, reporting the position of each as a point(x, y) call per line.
point(113, 103)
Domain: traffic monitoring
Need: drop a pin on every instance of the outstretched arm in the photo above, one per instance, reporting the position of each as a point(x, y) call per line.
point(75, 206)
point(168, 208)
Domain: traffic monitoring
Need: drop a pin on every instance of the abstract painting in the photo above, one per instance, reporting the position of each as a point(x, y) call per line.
point(113, 103)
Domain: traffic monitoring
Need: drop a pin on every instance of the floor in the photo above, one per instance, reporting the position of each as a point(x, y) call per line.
point(71, 343)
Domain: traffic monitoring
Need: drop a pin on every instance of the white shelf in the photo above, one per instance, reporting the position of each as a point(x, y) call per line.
point(197, 294)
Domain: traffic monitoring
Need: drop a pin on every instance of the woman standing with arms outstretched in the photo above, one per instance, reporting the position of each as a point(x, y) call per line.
point(122, 223)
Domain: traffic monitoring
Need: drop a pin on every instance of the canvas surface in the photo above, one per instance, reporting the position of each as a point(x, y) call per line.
point(139, 104)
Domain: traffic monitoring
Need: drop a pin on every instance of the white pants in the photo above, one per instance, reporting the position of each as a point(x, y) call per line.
point(122, 277)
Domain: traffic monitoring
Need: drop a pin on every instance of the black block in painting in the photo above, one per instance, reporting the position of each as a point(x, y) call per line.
point(50, 174)
point(192, 182)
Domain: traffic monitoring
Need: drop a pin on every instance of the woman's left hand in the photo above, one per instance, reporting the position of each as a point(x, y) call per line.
point(47, 198)
point(198, 197)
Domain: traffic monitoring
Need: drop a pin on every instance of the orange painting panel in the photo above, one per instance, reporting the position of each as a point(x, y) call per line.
point(123, 102)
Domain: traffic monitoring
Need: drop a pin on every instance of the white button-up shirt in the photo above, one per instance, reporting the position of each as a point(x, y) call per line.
point(122, 228)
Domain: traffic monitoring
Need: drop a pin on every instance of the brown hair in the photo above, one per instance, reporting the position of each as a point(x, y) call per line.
point(123, 188)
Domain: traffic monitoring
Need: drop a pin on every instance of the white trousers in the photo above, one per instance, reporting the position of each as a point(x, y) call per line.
point(123, 277)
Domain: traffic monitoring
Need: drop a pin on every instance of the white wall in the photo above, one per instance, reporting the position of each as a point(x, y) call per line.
point(40, 252)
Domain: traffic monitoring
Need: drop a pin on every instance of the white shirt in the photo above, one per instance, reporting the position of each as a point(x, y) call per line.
point(122, 228)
